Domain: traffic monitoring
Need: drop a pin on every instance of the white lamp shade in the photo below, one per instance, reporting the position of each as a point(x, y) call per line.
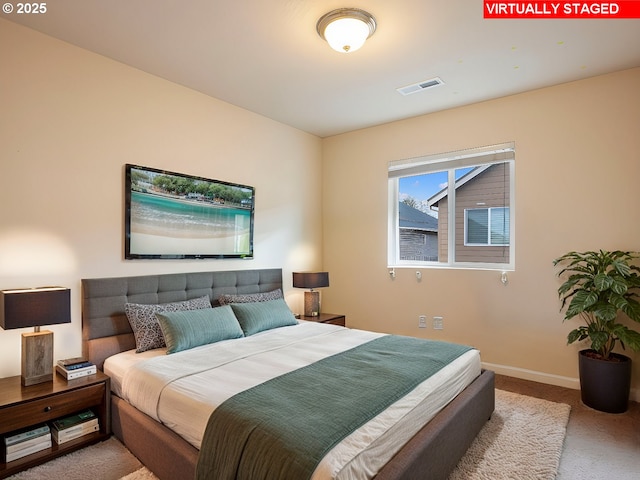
point(346, 34)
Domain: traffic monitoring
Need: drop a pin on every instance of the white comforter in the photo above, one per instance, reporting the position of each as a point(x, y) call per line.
point(181, 390)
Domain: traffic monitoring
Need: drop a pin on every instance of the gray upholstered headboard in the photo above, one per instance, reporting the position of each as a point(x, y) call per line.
point(105, 328)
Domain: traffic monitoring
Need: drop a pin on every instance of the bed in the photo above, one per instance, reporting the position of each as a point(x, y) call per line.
point(431, 453)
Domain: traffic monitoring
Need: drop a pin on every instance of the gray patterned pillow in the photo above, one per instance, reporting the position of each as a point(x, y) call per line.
point(144, 323)
point(227, 299)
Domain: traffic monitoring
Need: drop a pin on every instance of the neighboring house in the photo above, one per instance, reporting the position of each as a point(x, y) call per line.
point(482, 215)
point(418, 234)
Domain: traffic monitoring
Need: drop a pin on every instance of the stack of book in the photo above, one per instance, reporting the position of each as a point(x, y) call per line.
point(25, 442)
point(75, 368)
point(74, 426)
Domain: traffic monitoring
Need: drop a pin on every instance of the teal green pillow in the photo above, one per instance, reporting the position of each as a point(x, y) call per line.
point(188, 329)
point(258, 316)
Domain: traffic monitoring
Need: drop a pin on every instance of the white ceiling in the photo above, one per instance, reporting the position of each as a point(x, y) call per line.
point(266, 56)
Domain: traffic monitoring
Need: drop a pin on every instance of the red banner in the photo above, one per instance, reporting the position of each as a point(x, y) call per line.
point(610, 10)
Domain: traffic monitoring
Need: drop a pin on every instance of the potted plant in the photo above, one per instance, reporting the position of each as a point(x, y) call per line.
point(601, 287)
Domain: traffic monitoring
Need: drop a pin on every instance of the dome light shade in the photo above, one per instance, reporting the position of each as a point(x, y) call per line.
point(346, 29)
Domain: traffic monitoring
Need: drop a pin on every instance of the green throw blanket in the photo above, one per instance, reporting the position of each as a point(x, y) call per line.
point(282, 428)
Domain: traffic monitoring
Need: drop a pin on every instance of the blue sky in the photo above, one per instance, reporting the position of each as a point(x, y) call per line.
point(424, 186)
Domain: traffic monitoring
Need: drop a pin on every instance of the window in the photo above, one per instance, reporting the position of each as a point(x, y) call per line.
point(486, 226)
point(453, 210)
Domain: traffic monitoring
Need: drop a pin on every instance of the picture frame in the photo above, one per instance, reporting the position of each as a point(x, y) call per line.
point(171, 215)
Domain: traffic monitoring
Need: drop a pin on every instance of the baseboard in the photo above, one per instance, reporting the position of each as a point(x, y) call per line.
point(549, 379)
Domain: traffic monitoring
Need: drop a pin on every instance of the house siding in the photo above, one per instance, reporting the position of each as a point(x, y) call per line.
point(489, 189)
point(418, 245)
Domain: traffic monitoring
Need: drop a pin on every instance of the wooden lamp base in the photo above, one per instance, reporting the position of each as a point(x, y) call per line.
point(37, 357)
point(311, 304)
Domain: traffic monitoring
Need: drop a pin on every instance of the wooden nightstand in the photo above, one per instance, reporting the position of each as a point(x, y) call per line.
point(333, 318)
point(22, 407)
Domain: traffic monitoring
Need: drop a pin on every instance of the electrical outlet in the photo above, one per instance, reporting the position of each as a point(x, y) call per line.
point(438, 323)
point(422, 321)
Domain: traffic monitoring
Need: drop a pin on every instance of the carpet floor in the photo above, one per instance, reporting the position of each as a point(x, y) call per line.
point(523, 440)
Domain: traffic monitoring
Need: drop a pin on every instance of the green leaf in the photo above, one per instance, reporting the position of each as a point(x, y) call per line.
point(628, 337)
point(576, 334)
point(577, 304)
point(632, 309)
point(569, 284)
point(622, 267)
point(602, 281)
point(598, 340)
point(618, 301)
point(619, 285)
point(590, 299)
point(605, 312)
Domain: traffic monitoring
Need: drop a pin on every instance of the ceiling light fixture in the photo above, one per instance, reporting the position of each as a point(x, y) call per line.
point(346, 29)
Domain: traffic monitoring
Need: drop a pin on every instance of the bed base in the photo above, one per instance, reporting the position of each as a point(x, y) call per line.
point(436, 449)
point(430, 455)
point(161, 450)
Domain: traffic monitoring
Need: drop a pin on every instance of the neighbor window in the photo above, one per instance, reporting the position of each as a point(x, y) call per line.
point(486, 226)
point(453, 210)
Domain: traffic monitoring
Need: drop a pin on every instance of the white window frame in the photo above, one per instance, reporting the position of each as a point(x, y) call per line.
point(493, 154)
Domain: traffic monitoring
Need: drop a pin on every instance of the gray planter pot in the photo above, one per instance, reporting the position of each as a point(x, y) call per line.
point(605, 385)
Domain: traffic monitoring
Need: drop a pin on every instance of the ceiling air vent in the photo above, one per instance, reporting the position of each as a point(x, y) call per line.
point(420, 86)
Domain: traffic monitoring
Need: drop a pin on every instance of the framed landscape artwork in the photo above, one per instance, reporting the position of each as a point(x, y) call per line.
point(171, 215)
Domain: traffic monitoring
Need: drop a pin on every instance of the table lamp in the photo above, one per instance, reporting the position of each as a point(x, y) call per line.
point(35, 307)
point(311, 280)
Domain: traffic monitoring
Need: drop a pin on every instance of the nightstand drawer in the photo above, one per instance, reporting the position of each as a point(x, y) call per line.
point(47, 408)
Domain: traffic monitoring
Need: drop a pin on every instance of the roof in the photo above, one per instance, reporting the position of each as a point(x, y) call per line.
point(459, 182)
point(413, 218)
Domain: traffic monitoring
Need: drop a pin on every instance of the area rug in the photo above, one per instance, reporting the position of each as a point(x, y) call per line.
point(141, 474)
point(523, 441)
point(108, 460)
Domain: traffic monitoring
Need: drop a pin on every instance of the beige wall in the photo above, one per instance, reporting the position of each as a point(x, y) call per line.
point(577, 174)
point(70, 120)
